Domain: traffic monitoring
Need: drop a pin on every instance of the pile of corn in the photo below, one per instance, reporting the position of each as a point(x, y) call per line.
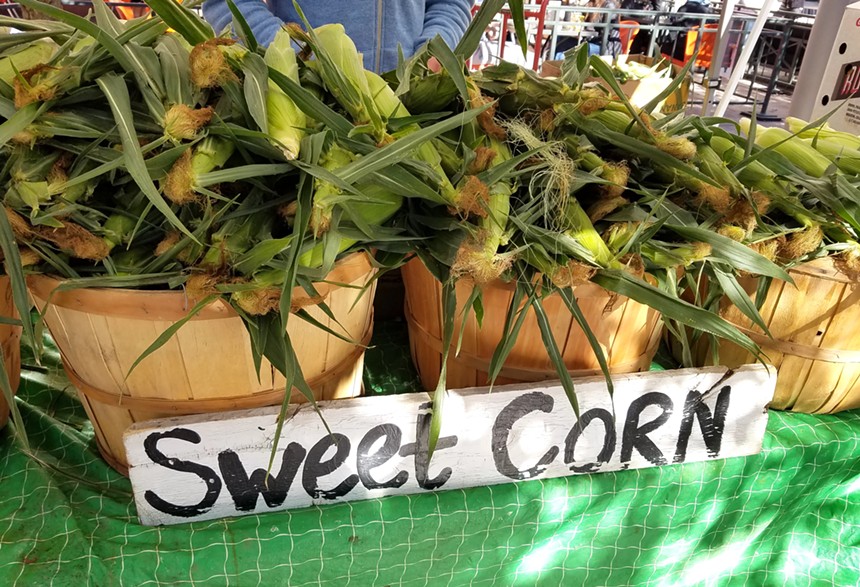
point(136, 156)
point(154, 161)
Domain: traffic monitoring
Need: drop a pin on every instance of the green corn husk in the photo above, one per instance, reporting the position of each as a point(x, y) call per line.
point(451, 162)
point(27, 57)
point(235, 237)
point(569, 273)
point(791, 147)
point(341, 68)
point(845, 158)
point(286, 122)
point(32, 194)
point(619, 235)
point(210, 154)
point(683, 255)
point(848, 140)
point(118, 229)
point(478, 257)
point(431, 93)
point(719, 199)
point(389, 106)
point(519, 88)
point(578, 226)
point(376, 207)
point(379, 207)
point(586, 158)
point(620, 121)
point(755, 174)
point(325, 193)
point(711, 164)
point(131, 261)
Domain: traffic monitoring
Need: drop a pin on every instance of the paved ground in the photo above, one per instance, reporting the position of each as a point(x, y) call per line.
point(738, 107)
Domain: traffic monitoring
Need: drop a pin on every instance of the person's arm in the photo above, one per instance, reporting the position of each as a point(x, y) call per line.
point(447, 18)
point(263, 23)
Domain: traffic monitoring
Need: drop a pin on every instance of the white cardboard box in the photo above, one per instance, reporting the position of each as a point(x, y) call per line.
point(840, 86)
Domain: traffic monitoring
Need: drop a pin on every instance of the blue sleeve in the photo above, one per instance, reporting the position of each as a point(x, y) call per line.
point(263, 23)
point(447, 18)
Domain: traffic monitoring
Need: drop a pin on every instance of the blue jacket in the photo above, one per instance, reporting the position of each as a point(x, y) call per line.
point(376, 26)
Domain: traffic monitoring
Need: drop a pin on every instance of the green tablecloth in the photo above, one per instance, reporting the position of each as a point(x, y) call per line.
point(789, 516)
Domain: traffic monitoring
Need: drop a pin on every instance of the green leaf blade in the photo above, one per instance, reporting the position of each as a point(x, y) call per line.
point(116, 92)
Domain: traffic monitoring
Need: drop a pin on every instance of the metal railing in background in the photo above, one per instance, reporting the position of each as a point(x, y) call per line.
point(777, 57)
point(776, 63)
point(81, 8)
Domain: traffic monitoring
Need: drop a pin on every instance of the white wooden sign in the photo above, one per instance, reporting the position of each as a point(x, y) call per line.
point(211, 466)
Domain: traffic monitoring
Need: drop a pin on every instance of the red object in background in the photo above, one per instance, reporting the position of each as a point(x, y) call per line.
point(540, 15)
point(706, 46)
point(627, 34)
point(128, 12)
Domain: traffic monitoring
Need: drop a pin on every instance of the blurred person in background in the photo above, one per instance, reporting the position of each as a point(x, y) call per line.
point(642, 40)
point(377, 27)
point(594, 35)
point(675, 42)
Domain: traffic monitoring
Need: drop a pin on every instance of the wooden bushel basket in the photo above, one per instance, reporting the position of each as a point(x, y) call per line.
point(816, 338)
point(629, 333)
point(10, 340)
point(207, 366)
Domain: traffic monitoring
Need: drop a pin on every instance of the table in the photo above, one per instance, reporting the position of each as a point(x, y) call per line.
point(790, 515)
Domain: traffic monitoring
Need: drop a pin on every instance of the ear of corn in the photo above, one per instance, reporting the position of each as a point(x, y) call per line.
point(326, 194)
point(181, 183)
point(796, 125)
point(376, 209)
point(478, 257)
point(341, 67)
point(846, 158)
point(286, 122)
point(389, 106)
point(713, 165)
point(28, 57)
point(801, 154)
point(578, 226)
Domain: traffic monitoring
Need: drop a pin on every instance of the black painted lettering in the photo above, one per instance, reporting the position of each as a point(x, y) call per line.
point(636, 436)
point(246, 489)
point(207, 475)
point(315, 467)
point(525, 404)
point(366, 461)
point(576, 432)
point(421, 448)
point(712, 426)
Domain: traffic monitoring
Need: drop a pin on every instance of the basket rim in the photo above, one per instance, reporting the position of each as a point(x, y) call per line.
point(164, 304)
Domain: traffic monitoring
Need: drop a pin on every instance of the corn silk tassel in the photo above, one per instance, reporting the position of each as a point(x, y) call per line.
point(181, 182)
point(620, 121)
point(478, 259)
